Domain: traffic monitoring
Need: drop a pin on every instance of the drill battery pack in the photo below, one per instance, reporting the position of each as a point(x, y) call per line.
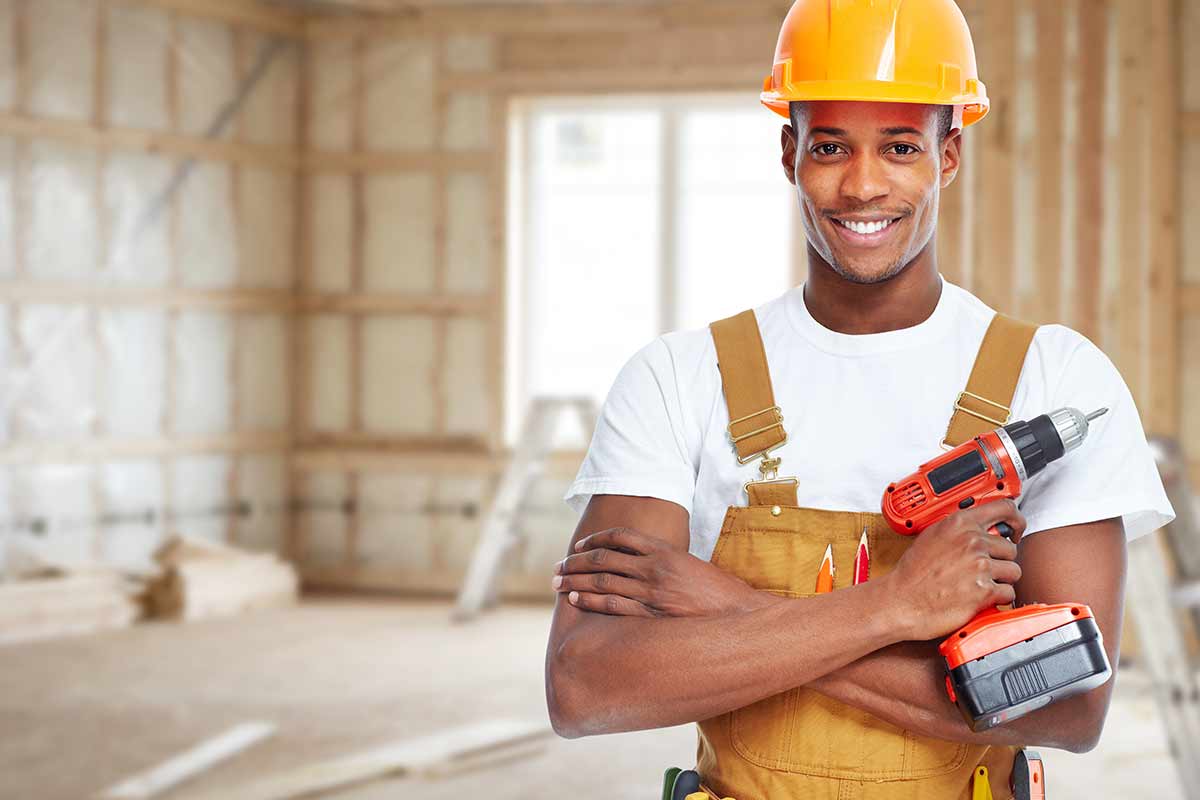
point(1005, 664)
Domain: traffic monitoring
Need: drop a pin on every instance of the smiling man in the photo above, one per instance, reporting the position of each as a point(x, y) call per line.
point(727, 460)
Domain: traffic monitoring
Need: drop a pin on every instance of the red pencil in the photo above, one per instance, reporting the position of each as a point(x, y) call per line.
point(862, 560)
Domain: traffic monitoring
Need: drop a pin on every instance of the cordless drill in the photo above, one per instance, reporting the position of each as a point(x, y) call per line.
point(1004, 664)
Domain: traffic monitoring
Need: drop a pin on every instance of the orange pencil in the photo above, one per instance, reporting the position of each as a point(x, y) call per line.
point(862, 560)
point(825, 573)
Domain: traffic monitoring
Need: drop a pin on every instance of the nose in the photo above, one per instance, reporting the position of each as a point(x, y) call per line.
point(865, 180)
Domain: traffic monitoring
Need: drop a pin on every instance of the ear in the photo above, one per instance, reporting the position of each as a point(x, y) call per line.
point(787, 140)
point(951, 157)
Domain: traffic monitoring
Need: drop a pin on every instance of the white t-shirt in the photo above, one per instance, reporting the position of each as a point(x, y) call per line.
point(861, 411)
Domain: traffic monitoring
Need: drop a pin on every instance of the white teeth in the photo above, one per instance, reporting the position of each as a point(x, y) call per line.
point(865, 228)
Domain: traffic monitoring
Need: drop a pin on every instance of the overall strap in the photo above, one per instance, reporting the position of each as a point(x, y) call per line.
point(986, 402)
point(755, 422)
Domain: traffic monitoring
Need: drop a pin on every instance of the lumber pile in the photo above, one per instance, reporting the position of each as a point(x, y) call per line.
point(202, 579)
point(61, 602)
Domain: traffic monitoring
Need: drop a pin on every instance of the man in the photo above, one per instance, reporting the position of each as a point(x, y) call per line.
point(662, 620)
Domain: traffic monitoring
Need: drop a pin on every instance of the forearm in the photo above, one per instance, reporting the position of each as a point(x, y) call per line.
point(904, 684)
point(627, 673)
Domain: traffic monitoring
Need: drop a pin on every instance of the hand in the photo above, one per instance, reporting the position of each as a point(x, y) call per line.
point(620, 571)
point(955, 569)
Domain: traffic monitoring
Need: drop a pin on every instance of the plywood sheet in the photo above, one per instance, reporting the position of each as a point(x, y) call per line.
point(395, 526)
point(56, 398)
point(207, 80)
point(399, 94)
point(399, 235)
point(138, 253)
point(332, 232)
point(62, 53)
point(467, 52)
point(470, 242)
point(203, 349)
point(7, 204)
point(207, 251)
point(468, 122)
point(135, 492)
point(8, 63)
point(262, 484)
point(397, 396)
point(323, 517)
point(58, 498)
point(467, 391)
point(269, 113)
point(200, 496)
point(61, 242)
point(262, 365)
point(331, 104)
point(134, 354)
point(138, 47)
point(328, 391)
point(266, 227)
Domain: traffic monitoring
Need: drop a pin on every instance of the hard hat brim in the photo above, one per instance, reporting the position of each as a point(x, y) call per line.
point(974, 104)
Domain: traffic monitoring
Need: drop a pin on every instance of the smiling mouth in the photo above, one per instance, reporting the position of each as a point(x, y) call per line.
point(866, 228)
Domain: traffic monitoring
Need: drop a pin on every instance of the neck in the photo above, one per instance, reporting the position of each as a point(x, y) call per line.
point(902, 301)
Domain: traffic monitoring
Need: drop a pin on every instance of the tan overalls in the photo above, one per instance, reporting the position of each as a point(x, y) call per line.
point(802, 745)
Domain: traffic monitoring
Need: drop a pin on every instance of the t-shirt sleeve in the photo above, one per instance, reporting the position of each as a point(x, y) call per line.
point(1112, 474)
point(638, 447)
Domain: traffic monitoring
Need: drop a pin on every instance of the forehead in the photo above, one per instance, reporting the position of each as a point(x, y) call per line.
point(862, 118)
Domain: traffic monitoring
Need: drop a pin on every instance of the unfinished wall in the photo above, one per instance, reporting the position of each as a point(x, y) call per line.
point(148, 168)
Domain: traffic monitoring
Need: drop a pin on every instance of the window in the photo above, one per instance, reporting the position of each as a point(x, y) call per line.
point(631, 216)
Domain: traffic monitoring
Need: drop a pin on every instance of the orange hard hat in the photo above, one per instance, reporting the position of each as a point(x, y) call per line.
point(891, 51)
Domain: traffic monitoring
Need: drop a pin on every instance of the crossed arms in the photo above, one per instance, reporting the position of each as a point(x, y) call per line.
point(646, 636)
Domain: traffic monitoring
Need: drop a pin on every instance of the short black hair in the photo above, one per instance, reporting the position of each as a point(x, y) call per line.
point(945, 119)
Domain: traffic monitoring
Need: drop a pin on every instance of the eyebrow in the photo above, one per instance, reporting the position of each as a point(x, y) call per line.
point(885, 131)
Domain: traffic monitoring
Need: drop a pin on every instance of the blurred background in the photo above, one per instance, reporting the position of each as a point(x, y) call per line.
point(306, 308)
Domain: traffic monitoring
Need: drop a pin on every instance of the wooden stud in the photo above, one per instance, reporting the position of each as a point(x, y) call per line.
point(1048, 156)
point(1091, 71)
point(233, 477)
point(100, 449)
point(436, 161)
point(1189, 301)
point(497, 293)
point(357, 267)
point(259, 16)
point(173, 274)
point(103, 248)
point(440, 230)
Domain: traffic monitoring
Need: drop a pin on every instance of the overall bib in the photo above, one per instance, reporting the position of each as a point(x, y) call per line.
point(802, 745)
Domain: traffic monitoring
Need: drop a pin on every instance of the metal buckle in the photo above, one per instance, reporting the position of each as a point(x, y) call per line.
point(958, 406)
point(778, 423)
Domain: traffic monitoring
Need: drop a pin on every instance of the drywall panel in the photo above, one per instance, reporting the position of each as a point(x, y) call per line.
point(203, 345)
point(62, 56)
point(8, 151)
point(262, 486)
point(395, 525)
point(138, 253)
point(468, 122)
point(332, 232)
point(207, 253)
point(262, 369)
point(398, 75)
point(463, 504)
point(133, 497)
point(133, 382)
point(469, 241)
point(323, 517)
point(269, 113)
point(328, 394)
point(467, 392)
point(332, 102)
point(61, 241)
point(399, 235)
point(470, 53)
point(207, 81)
point(397, 395)
point(266, 227)
point(8, 71)
point(138, 47)
point(56, 397)
point(54, 504)
point(200, 499)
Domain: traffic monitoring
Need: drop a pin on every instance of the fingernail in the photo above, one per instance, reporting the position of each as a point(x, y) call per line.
point(573, 597)
point(557, 582)
point(558, 567)
point(579, 544)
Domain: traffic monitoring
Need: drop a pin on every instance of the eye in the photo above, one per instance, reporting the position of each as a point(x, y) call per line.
point(907, 149)
point(826, 149)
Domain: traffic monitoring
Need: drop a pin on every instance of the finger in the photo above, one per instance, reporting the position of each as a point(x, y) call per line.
point(622, 538)
point(608, 604)
point(1006, 572)
point(989, 514)
point(603, 583)
point(999, 547)
point(1003, 594)
point(601, 560)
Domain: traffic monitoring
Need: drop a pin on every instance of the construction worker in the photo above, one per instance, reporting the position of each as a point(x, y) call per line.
point(687, 594)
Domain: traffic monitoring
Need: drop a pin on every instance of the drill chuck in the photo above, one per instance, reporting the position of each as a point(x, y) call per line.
point(1045, 438)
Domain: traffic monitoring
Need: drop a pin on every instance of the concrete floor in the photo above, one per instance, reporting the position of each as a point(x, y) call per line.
point(339, 676)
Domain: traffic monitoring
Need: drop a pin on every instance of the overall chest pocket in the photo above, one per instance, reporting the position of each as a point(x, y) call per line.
point(801, 730)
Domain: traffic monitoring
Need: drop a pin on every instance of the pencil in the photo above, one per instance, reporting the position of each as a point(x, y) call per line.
point(825, 573)
point(862, 560)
